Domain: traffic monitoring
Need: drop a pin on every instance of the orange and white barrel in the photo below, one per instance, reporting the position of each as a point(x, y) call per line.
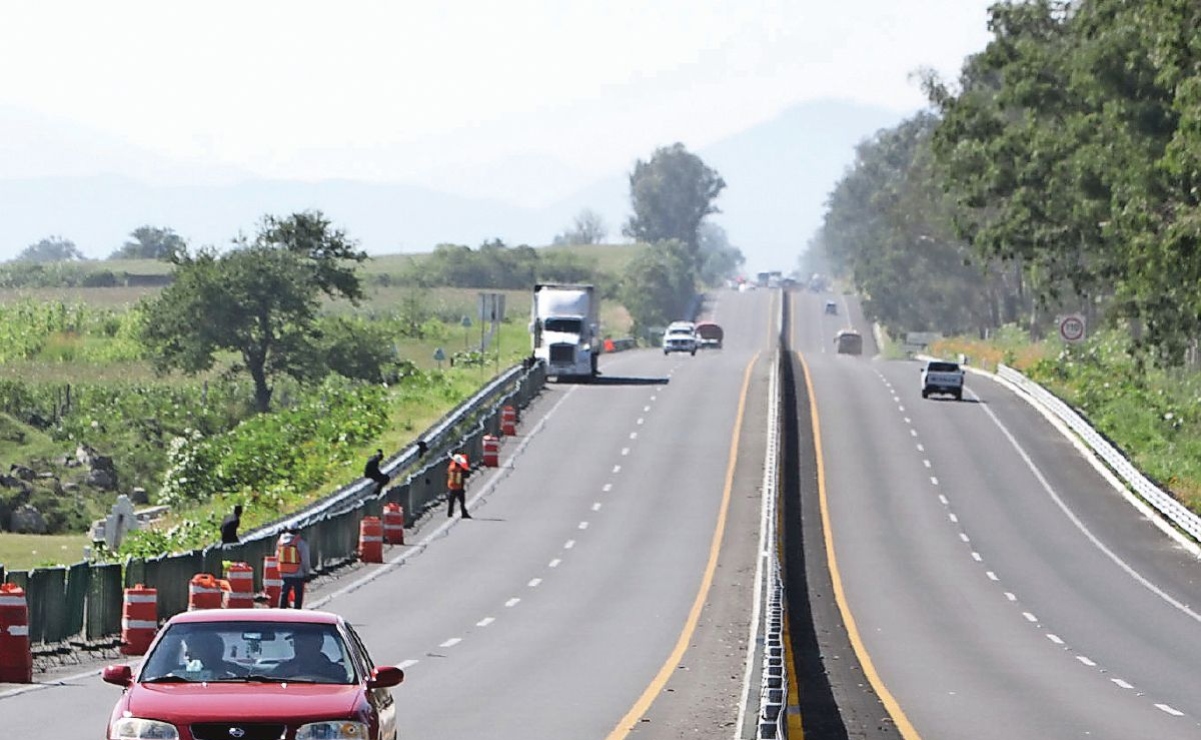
point(16, 659)
point(241, 586)
point(139, 619)
point(394, 524)
point(508, 421)
point(272, 583)
point(491, 451)
point(204, 592)
point(371, 540)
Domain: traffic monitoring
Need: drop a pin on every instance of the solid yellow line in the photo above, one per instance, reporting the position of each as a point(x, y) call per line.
point(869, 669)
point(630, 720)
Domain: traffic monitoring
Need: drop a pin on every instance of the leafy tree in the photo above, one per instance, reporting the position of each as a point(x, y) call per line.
point(659, 285)
point(671, 195)
point(151, 243)
point(719, 259)
point(259, 301)
point(588, 228)
point(51, 249)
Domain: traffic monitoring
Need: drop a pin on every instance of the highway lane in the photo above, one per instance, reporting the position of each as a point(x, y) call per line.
point(553, 612)
point(998, 585)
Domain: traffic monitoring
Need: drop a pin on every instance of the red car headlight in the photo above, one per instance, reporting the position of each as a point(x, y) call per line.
point(133, 728)
point(336, 730)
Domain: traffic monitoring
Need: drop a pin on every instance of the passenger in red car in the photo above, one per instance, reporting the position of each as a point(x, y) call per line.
point(309, 661)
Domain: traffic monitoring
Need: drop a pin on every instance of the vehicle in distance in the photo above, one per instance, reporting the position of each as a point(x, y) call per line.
point(680, 337)
point(942, 377)
point(848, 342)
point(255, 673)
point(709, 335)
point(565, 327)
point(831, 308)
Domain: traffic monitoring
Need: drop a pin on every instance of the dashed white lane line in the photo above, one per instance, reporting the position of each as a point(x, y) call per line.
point(944, 500)
point(921, 448)
point(616, 468)
point(964, 537)
point(1122, 684)
point(583, 525)
point(977, 557)
point(954, 519)
point(625, 451)
point(1029, 617)
point(1011, 596)
point(534, 582)
point(596, 506)
point(913, 432)
point(1169, 710)
point(926, 463)
point(992, 576)
point(646, 408)
point(485, 621)
point(1087, 661)
point(568, 544)
point(633, 435)
point(554, 563)
point(933, 480)
point(1055, 638)
point(407, 664)
point(607, 487)
point(513, 602)
point(452, 642)
point(639, 422)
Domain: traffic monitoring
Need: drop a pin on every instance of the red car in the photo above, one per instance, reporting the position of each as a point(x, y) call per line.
point(255, 674)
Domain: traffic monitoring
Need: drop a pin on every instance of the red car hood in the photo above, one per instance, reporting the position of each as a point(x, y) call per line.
point(268, 702)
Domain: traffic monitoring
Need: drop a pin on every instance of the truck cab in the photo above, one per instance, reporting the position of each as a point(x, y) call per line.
point(942, 377)
point(565, 329)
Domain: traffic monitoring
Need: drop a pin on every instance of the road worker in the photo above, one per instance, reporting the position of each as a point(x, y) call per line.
point(456, 473)
point(293, 555)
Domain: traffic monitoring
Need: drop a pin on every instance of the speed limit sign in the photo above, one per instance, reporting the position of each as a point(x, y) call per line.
point(1071, 327)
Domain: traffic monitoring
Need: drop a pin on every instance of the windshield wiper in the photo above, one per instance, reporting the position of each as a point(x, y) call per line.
point(258, 678)
point(169, 678)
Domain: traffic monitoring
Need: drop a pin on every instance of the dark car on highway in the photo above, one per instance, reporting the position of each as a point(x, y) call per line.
point(255, 674)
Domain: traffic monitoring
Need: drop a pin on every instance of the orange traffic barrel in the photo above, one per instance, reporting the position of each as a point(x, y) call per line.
point(371, 540)
point(491, 451)
point(139, 619)
point(609, 346)
point(272, 583)
point(508, 421)
point(394, 524)
point(16, 659)
point(241, 586)
point(204, 592)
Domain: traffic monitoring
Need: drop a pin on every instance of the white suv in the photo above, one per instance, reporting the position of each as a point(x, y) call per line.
point(680, 337)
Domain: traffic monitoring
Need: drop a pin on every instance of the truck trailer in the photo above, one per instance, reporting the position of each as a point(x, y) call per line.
point(565, 328)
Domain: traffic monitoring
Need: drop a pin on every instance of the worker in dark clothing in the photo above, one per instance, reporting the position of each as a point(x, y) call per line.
point(456, 472)
point(372, 471)
point(229, 526)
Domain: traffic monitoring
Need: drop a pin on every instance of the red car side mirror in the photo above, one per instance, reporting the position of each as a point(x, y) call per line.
point(121, 675)
point(384, 677)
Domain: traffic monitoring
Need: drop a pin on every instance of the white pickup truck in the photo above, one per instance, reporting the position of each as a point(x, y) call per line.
point(939, 376)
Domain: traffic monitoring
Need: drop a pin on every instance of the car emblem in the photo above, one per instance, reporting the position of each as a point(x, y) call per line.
point(236, 732)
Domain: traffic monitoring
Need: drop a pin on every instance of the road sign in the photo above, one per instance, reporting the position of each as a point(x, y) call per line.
point(1071, 327)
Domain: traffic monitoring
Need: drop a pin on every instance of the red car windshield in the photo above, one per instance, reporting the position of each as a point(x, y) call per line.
point(249, 651)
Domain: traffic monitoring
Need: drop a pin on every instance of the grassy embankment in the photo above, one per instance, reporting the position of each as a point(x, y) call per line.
point(71, 358)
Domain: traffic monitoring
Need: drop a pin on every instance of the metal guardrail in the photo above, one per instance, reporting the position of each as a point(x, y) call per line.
point(1163, 502)
point(773, 696)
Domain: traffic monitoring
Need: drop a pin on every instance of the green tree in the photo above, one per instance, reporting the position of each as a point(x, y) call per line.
point(671, 195)
point(51, 249)
point(150, 243)
point(587, 228)
point(719, 258)
point(659, 284)
point(259, 301)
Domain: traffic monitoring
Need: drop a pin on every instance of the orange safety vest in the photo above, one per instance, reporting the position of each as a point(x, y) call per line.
point(454, 477)
point(289, 558)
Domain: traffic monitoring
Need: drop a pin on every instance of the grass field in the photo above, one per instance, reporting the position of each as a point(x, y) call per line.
point(25, 551)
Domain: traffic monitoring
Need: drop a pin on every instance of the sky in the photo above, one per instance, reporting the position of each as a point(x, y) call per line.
point(438, 93)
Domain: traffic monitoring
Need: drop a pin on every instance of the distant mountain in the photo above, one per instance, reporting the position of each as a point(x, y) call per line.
point(777, 173)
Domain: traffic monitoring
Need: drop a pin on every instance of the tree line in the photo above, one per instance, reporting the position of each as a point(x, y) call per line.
point(1059, 173)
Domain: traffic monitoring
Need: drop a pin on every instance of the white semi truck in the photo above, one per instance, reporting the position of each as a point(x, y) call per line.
point(565, 325)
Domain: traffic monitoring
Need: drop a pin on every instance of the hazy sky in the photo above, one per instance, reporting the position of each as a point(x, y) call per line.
point(412, 90)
